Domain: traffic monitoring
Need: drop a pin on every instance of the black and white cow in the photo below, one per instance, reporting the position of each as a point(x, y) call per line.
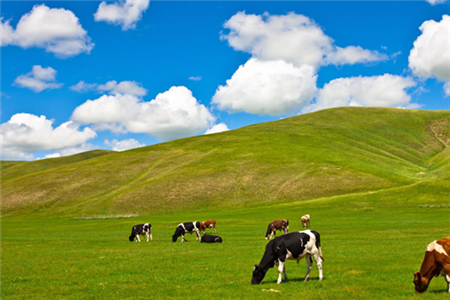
point(141, 229)
point(294, 246)
point(206, 238)
point(189, 227)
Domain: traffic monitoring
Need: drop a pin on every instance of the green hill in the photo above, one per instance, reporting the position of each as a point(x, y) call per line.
point(327, 153)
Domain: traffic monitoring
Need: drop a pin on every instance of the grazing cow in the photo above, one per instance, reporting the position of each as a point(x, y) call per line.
point(306, 221)
point(276, 225)
point(208, 224)
point(188, 227)
point(435, 263)
point(141, 229)
point(294, 246)
point(206, 238)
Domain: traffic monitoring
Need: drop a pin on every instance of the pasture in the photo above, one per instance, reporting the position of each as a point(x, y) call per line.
point(372, 243)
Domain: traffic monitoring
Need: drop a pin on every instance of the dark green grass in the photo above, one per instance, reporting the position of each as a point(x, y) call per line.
point(370, 250)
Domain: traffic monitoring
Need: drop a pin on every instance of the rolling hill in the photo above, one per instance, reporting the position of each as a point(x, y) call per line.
point(322, 154)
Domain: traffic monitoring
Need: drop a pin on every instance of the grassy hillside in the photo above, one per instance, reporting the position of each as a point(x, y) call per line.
point(322, 154)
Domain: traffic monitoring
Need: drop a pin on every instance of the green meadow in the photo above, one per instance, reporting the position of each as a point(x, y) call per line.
point(375, 181)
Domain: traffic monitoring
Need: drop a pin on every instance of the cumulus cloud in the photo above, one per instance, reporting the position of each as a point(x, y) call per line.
point(56, 30)
point(125, 14)
point(293, 38)
point(111, 87)
point(38, 79)
point(267, 88)
point(172, 114)
point(24, 134)
point(123, 145)
point(430, 57)
point(386, 91)
point(217, 128)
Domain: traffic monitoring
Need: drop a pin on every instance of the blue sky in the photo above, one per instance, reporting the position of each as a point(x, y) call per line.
point(84, 75)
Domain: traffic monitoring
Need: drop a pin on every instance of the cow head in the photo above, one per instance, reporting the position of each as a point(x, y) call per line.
point(420, 283)
point(177, 233)
point(258, 275)
point(131, 238)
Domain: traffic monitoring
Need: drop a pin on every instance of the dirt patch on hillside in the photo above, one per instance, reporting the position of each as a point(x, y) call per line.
point(441, 130)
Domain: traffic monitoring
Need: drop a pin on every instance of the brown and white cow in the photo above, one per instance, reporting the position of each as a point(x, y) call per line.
point(208, 224)
point(306, 221)
point(435, 263)
point(276, 225)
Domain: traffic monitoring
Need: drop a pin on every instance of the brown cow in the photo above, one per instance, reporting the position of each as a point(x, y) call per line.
point(435, 263)
point(208, 224)
point(306, 221)
point(276, 225)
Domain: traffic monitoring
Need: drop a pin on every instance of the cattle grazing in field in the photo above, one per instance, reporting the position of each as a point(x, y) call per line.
point(306, 221)
point(276, 225)
point(293, 246)
point(141, 229)
point(206, 238)
point(189, 227)
point(208, 224)
point(436, 262)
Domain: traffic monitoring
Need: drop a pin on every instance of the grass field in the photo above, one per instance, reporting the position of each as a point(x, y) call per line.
point(371, 248)
point(375, 181)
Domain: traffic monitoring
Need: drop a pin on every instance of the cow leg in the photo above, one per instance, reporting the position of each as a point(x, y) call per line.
point(319, 264)
point(137, 238)
point(281, 270)
point(182, 238)
point(198, 235)
point(151, 236)
point(215, 230)
point(447, 278)
point(308, 266)
point(148, 236)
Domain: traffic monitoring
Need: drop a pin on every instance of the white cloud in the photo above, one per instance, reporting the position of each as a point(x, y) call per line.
point(83, 87)
point(434, 2)
point(447, 88)
point(221, 127)
point(56, 30)
point(112, 87)
point(123, 145)
point(267, 88)
point(24, 134)
point(195, 78)
point(293, 38)
point(38, 79)
point(430, 57)
point(386, 91)
point(124, 87)
point(126, 14)
point(352, 55)
point(172, 114)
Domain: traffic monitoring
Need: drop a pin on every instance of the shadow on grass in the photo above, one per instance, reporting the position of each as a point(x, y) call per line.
point(302, 279)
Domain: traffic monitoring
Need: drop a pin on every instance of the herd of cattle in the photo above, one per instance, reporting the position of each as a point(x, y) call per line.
point(300, 244)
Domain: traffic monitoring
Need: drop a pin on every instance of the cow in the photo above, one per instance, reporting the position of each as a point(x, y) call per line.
point(189, 227)
point(206, 238)
point(276, 225)
point(208, 224)
point(436, 262)
point(141, 229)
point(295, 245)
point(306, 221)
